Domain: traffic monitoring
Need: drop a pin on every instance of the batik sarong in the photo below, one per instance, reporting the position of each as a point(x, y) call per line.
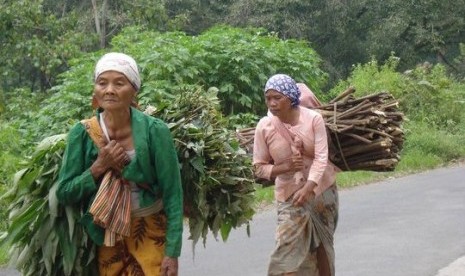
point(140, 254)
point(301, 230)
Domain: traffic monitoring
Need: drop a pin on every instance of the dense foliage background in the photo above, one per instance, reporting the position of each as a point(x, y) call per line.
point(412, 49)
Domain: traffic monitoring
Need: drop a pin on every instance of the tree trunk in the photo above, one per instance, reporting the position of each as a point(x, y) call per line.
point(100, 22)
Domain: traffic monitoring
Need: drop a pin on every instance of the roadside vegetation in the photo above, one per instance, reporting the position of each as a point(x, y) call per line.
point(46, 82)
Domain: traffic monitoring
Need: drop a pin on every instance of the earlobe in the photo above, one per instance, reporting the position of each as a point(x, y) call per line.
point(134, 103)
point(94, 102)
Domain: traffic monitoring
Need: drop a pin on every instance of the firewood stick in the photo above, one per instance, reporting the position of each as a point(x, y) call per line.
point(383, 162)
point(247, 129)
point(396, 131)
point(250, 140)
point(357, 137)
point(374, 131)
point(354, 109)
point(369, 156)
point(344, 94)
point(377, 97)
point(386, 143)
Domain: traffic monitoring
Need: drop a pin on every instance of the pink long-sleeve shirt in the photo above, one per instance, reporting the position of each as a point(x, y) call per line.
point(270, 149)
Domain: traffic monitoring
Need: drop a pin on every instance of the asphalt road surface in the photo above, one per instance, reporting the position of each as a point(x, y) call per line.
point(408, 226)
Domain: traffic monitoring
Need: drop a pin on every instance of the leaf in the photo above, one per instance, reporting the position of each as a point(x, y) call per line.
point(68, 249)
point(49, 251)
point(18, 176)
point(53, 201)
point(198, 163)
point(25, 183)
point(225, 230)
point(71, 218)
point(21, 223)
point(50, 141)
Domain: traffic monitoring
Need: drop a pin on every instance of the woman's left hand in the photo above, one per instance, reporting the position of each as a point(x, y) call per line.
point(169, 266)
point(304, 194)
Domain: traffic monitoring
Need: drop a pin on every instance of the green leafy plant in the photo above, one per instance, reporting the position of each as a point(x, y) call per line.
point(236, 61)
point(216, 173)
point(44, 235)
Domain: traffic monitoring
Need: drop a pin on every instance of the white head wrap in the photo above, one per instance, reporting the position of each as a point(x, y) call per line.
point(121, 63)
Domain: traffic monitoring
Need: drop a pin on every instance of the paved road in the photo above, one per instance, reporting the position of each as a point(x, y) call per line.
point(410, 226)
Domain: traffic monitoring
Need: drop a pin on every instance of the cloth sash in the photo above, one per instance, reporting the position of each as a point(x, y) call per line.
point(111, 208)
point(295, 142)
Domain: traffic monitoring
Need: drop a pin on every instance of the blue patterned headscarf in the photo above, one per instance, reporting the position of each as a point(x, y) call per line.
point(285, 85)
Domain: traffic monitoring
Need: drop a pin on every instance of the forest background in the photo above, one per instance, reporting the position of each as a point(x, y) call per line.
point(412, 49)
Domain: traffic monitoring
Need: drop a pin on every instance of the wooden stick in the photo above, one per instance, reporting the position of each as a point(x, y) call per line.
point(344, 94)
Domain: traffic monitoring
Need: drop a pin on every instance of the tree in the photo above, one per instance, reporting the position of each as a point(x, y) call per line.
point(40, 37)
point(350, 32)
point(36, 44)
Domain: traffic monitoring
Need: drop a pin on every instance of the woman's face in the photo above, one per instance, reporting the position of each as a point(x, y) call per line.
point(113, 91)
point(277, 103)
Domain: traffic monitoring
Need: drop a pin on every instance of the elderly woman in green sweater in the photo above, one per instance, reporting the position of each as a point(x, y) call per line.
point(123, 165)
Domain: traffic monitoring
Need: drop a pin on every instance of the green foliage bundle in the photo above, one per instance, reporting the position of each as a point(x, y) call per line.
point(218, 186)
point(44, 235)
point(216, 173)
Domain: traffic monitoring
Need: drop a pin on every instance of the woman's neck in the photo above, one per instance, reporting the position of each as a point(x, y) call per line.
point(291, 117)
point(116, 120)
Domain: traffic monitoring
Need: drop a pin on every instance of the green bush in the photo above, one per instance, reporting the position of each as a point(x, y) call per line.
point(416, 160)
point(372, 77)
point(235, 61)
point(426, 93)
point(432, 97)
point(433, 142)
point(10, 149)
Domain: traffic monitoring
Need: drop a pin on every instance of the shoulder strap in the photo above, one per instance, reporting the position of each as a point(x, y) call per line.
point(94, 130)
point(282, 130)
point(293, 139)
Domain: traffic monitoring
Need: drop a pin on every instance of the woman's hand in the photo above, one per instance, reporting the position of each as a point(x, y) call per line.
point(304, 194)
point(169, 266)
point(297, 163)
point(294, 164)
point(113, 156)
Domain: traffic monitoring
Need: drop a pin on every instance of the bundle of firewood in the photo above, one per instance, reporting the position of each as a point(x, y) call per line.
point(363, 133)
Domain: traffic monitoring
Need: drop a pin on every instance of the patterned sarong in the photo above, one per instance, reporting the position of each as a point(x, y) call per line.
point(140, 254)
point(300, 232)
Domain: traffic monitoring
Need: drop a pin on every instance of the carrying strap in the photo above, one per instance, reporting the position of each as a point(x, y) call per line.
point(111, 207)
point(291, 139)
point(94, 130)
point(282, 130)
point(287, 135)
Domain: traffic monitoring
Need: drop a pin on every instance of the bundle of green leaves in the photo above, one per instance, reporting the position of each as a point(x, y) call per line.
point(44, 235)
point(216, 172)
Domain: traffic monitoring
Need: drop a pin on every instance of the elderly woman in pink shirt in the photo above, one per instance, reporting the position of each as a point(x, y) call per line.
point(290, 146)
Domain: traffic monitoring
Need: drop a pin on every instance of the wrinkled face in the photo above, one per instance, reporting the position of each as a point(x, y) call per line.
point(277, 103)
point(113, 91)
